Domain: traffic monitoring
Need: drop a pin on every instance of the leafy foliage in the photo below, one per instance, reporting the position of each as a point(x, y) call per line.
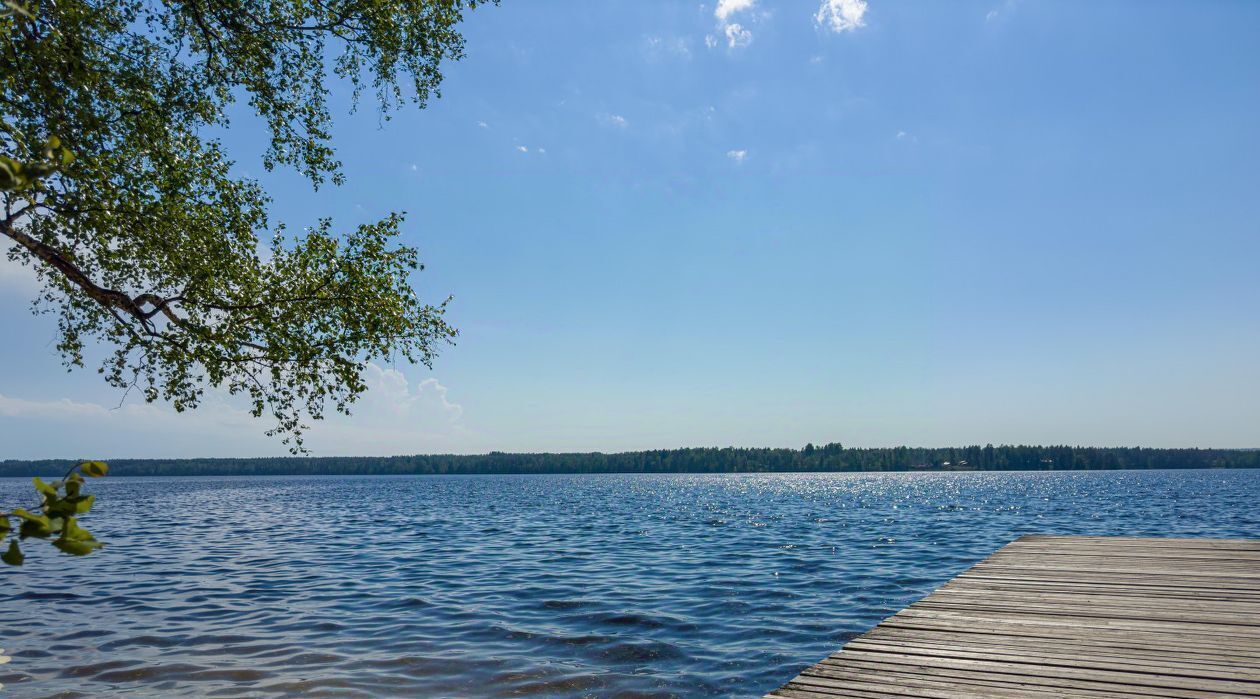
point(18, 176)
point(60, 504)
point(143, 238)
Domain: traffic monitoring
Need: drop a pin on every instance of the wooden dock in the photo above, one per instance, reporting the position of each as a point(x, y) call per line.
point(1059, 616)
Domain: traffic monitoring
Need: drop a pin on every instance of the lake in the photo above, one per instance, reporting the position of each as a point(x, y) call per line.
point(556, 586)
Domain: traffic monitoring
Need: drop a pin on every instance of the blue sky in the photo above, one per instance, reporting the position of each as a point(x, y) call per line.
point(756, 223)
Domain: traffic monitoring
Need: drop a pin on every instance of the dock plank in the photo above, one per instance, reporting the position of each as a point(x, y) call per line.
point(1061, 616)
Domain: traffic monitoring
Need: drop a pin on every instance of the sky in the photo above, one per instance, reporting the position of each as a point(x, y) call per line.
point(759, 223)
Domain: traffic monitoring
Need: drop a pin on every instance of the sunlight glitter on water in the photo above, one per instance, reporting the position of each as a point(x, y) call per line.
point(645, 585)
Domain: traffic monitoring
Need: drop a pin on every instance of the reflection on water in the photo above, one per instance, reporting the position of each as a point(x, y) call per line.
point(672, 585)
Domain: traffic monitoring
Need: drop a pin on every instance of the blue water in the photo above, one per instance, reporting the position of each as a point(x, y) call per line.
point(565, 586)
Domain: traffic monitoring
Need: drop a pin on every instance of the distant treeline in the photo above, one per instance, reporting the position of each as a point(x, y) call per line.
point(829, 457)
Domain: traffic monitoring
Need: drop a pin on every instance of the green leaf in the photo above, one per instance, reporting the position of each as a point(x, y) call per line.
point(33, 525)
point(76, 547)
point(14, 555)
point(94, 469)
point(5, 525)
point(57, 507)
point(35, 529)
point(83, 503)
point(73, 487)
point(73, 531)
point(43, 487)
point(30, 516)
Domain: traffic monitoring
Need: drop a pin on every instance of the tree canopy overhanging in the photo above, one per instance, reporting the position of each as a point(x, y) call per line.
point(145, 240)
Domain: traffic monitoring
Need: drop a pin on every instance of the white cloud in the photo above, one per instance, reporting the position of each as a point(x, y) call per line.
point(614, 120)
point(841, 15)
point(710, 41)
point(394, 416)
point(389, 393)
point(415, 168)
point(991, 15)
point(522, 149)
point(736, 35)
point(542, 151)
point(483, 125)
point(737, 155)
point(433, 392)
point(726, 8)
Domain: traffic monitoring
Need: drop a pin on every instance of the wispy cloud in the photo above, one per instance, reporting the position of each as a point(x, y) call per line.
point(841, 16)
point(613, 120)
point(19, 407)
point(1001, 11)
point(522, 149)
point(737, 156)
point(394, 416)
point(389, 393)
point(483, 125)
point(660, 46)
point(62, 409)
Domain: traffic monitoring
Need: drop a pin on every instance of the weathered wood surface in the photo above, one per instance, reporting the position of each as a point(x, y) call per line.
point(1075, 617)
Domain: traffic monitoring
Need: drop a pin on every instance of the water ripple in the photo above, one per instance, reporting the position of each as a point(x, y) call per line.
point(556, 586)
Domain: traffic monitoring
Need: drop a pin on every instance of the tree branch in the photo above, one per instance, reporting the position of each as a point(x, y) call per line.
point(110, 298)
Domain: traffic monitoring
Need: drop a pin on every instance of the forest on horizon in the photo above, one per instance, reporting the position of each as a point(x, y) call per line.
point(832, 457)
